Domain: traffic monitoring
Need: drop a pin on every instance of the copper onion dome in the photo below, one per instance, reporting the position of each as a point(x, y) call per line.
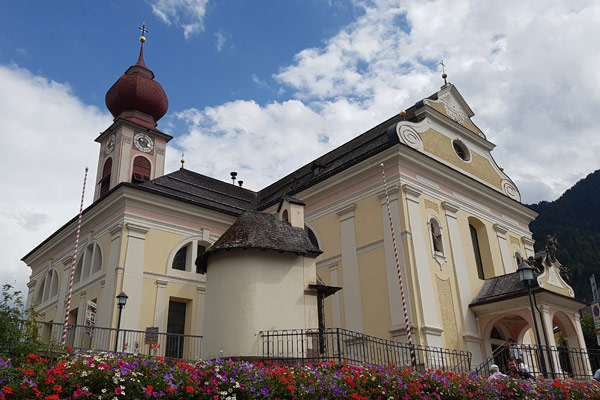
point(137, 91)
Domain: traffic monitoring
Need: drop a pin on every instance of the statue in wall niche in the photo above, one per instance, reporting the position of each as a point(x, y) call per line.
point(436, 240)
point(551, 247)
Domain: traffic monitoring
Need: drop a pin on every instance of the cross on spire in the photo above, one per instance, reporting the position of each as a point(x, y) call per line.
point(444, 75)
point(143, 28)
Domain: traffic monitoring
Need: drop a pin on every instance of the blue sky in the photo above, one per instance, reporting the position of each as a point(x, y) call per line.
point(302, 77)
point(90, 44)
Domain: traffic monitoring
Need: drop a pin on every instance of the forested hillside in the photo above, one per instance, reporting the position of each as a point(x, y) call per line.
point(575, 219)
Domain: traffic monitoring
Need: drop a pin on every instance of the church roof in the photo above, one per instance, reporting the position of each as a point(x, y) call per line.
point(374, 141)
point(261, 231)
point(509, 286)
point(501, 288)
point(203, 191)
point(137, 91)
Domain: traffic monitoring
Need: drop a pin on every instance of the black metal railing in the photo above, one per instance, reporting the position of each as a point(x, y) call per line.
point(561, 362)
point(99, 339)
point(314, 345)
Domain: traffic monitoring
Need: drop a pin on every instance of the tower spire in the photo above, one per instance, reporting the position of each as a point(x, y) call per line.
point(140, 62)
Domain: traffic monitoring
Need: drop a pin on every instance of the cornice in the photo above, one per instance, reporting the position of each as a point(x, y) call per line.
point(412, 192)
point(346, 212)
point(450, 208)
point(500, 230)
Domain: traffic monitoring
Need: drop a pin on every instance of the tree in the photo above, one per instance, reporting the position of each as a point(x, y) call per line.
point(587, 326)
point(18, 326)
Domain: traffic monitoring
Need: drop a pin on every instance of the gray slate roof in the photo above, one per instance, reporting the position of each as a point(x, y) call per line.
point(256, 230)
point(501, 288)
point(201, 190)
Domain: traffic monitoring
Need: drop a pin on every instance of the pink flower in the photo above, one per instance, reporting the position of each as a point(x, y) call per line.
point(118, 390)
point(77, 393)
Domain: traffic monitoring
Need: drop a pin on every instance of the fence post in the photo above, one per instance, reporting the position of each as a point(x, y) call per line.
point(338, 345)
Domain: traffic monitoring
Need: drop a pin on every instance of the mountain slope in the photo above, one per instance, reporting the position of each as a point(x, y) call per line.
point(575, 219)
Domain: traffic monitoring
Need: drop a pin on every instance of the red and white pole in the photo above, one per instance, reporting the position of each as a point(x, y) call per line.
point(68, 309)
point(408, 333)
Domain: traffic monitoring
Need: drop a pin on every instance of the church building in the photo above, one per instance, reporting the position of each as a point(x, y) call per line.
point(195, 254)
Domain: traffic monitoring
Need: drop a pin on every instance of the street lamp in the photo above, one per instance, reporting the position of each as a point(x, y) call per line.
point(526, 275)
point(121, 301)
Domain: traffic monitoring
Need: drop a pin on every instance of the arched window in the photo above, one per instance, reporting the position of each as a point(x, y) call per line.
point(180, 259)
point(40, 294)
point(311, 236)
point(105, 181)
point(284, 216)
point(54, 285)
point(476, 251)
point(141, 170)
point(89, 262)
point(78, 270)
point(185, 258)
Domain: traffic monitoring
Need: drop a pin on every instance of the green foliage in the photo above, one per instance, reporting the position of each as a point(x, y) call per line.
point(18, 329)
point(587, 325)
point(11, 314)
point(575, 220)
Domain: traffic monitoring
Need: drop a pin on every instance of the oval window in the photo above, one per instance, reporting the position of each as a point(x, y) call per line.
point(461, 150)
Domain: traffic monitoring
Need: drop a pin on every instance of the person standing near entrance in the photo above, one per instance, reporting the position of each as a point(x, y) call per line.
point(515, 349)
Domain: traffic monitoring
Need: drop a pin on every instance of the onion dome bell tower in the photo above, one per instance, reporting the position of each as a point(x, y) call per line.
point(132, 149)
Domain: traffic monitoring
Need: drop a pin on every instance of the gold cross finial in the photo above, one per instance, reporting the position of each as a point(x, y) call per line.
point(144, 31)
point(444, 75)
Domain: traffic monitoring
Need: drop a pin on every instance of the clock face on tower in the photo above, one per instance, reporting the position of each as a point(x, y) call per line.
point(110, 145)
point(143, 142)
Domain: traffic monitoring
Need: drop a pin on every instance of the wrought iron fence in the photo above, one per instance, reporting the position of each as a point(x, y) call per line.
point(561, 362)
point(98, 339)
point(314, 345)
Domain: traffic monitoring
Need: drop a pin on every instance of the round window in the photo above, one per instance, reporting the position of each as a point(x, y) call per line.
point(461, 150)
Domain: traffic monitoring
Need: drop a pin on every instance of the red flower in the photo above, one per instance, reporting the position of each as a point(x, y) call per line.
point(149, 389)
point(57, 388)
point(290, 388)
point(170, 389)
point(189, 389)
point(8, 390)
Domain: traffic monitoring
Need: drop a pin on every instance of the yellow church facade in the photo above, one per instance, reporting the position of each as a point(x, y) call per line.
point(458, 221)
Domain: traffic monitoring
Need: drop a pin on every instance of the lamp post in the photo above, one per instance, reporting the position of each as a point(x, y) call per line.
point(526, 275)
point(121, 301)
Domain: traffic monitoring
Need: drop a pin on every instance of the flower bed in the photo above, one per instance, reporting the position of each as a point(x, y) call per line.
point(108, 376)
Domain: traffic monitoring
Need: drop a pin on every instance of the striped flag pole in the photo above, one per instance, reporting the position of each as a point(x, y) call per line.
point(408, 333)
point(68, 309)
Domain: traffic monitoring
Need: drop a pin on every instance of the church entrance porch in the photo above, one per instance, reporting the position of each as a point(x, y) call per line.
point(506, 323)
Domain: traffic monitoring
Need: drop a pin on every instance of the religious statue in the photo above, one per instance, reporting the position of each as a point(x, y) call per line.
point(436, 240)
point(551, 247)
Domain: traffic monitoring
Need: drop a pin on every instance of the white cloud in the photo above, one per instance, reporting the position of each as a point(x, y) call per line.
point(50, 134)
point(528, 70)
point(221, 39)
point(187, 14)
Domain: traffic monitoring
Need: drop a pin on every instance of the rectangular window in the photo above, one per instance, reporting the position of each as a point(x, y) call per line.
point(477, 252)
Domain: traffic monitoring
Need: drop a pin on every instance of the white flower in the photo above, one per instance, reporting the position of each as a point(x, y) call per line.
point(103, 390)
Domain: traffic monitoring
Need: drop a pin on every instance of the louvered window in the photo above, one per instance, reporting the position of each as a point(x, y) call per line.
point(141, 170)
point(105, 181)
